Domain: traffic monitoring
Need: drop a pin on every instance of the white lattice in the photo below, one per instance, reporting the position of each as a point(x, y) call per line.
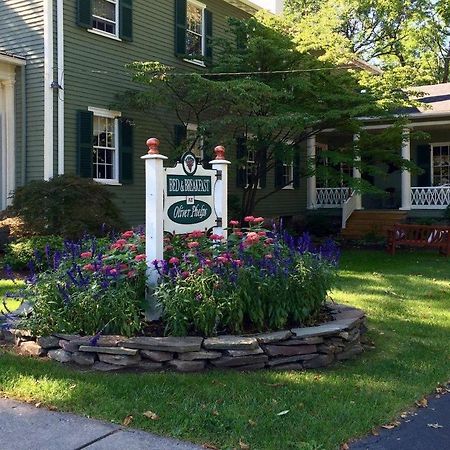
point(432, 197)
point(332, 197)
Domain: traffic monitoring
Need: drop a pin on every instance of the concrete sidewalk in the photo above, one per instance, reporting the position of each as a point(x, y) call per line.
point(425, 429)
point(25, 427)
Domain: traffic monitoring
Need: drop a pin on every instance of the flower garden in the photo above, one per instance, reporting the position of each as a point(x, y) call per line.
point(237, 291)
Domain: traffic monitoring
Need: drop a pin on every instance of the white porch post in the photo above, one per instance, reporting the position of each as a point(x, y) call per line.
point(9, 158)
point(357, 174)
point(154, 208)
point(311, 191)
point(221, 190)
point(406, 174)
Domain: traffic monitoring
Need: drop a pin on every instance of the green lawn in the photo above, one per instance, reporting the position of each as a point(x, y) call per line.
point(5, 287)
point(408, 304)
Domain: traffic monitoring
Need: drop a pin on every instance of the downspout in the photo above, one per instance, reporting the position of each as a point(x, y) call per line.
point(60, 91)
point(48, 91)
point(23, 131)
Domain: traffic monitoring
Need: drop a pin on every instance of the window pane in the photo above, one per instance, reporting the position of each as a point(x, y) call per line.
point(104, 9)
point(104, 148)
point(194, 18)
point(193, 44)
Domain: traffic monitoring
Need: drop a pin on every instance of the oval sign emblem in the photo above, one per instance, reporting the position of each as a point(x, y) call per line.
point(182, 213)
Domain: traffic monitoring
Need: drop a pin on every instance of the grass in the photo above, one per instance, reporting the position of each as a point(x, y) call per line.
point(5, 287)
point(408, 304)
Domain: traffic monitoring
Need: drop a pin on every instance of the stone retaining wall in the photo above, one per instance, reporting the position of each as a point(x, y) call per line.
point(294, 349)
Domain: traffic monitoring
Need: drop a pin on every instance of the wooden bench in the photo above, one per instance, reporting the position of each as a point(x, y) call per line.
point(422, 236)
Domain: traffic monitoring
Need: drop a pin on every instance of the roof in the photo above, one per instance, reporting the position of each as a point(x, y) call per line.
point(434, 97)
point(9, 57)
point(245, 5)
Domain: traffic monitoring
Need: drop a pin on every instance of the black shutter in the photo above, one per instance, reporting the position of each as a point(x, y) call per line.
point(180, 134)
point(125, 151)
point(85, 132)
point(208, 36)
point(263, 169)
point(241, 156)
point(424, 162)
point(279, 171)
point(207, 151)
point(296, 162)
point(126, 20)
point(84, 13)
point(180, 27)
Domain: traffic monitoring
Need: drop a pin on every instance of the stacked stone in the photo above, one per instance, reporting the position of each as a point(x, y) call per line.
point(295, 349)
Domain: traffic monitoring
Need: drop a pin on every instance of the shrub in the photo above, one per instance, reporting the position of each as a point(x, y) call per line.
point(38, 249)
point(68, 206)
point(256, 280)
point(90, 288)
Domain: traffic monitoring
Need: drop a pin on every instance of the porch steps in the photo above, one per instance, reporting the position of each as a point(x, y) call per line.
point(372, 222)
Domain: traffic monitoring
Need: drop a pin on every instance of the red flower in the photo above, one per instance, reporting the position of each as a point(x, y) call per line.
point(200, 270)
point(268, 256)
point(174, 260)
point(261, 233)
point(121, 242)
point(193, 244)
point(89, 267)
point(131, 274)
point(238, 262)
point(196, 234)
point(168, 248)
point(258, 220)
point(141, 257)
point(234, 223)
point(132, 248)
point(249, 219)
point(216, 237)
point(222, 259)
point(128, 234)
point(86, 255)
point(123, 267)
point(185, 274)
point(269, 241)
point(238, 233)
point(113, 272)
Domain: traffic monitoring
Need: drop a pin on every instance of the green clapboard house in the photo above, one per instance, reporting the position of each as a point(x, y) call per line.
point(62, 63)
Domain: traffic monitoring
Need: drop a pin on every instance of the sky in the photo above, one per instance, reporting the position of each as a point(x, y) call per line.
point(272, 5)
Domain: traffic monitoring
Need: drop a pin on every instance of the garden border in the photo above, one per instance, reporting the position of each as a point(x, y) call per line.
point(294, 349)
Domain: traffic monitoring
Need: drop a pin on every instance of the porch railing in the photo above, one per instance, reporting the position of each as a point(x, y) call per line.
point(348, 207)
point(431, 197)
point(332, 197)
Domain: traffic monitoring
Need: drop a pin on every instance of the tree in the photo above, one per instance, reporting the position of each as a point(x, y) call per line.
point(267, 97)
point(409, 34)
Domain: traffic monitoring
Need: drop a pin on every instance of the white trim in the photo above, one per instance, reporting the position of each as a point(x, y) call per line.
point(245, 5)
point(107, 182)
point(432, 146)
point(104, 112)
point(60, 91)
point(104, 34)
point(202, 6)
point(197, 62)
point(15, 60)
point(48, 91)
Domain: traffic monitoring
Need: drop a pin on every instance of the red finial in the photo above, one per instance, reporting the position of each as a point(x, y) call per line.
point(153, 146)
point(220, 152)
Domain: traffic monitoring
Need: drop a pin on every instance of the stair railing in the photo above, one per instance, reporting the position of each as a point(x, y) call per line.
point(347, 208)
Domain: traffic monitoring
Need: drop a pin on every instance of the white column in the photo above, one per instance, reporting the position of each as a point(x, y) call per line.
point(357, 174)
point(406, 174)
point(221, 190)
point(154, 208)
point(311, 191)
point(9, 170)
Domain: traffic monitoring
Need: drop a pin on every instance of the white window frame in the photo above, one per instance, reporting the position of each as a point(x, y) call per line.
point(115, 35)
point(106, 113)
point(288, 167)
point(433, 145)
point(251, 162)
point(202, 6)
point(194, 127)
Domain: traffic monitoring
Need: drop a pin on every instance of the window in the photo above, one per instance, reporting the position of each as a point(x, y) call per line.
point(251, 168)
point(105, 146)
point(288, 175)
point(104, 15)
point(110, 18)
point(341, 169)
point(440, 166)
point(195, 29)
point(193, 138)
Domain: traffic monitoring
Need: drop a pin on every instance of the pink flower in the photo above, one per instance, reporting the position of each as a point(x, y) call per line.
point(252, 237)
point(121, 242)
point(168, 248)
point(131, 274)
point(123, 267)
point(269, 241)
point(258, 220)
point(249, 219)
point(132, 248)
point(222, 259)
point(113, 272)
point(86, 255)
point(238, 262)
point(200, 271)
point(174, 260)
point(185, 274)
point(196, 234)
point(234, 223)
point(261, 233)
point(193, 244)
point(128, 234)
point(268, 256)
point(89, 267)
point(140, 257)
point(216, 237)
point(208, 262)
point(238, 233)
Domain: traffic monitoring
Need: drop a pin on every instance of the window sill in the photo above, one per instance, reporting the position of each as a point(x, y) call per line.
point(288, 188)
point(107, 182)
point(196, 62)
point(104, 34)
